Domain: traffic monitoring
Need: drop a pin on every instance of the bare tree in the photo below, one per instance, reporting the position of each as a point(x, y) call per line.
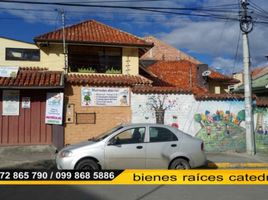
point(159, 104)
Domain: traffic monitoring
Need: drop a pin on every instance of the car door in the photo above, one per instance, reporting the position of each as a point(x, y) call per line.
point(162, 143)
point(126, 150)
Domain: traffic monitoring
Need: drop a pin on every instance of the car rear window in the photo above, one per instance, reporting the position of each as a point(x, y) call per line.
point(159, 134)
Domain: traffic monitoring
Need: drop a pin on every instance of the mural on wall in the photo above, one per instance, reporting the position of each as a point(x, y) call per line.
point(161, 109)
point(261, 129)
point(221, 131)
point(158, 104)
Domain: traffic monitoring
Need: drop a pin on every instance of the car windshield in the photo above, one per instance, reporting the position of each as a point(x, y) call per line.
point(105, 134)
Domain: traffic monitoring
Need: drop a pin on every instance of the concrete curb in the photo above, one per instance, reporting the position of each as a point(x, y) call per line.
point(227, 165)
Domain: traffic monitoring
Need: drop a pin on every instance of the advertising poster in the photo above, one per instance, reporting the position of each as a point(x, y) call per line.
point(11, 102)
point(104, 96)
point(54, 108)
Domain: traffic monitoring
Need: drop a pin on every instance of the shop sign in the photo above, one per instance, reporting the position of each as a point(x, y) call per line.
point(94, 96)
point(54, 108)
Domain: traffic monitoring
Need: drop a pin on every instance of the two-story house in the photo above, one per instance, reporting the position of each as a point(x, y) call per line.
point(103, 65)
point(24, 88)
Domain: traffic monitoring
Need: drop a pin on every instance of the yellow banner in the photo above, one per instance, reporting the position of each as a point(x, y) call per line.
point(166, 177)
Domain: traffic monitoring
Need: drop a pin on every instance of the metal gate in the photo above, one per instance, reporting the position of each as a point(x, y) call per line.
point(29, 127)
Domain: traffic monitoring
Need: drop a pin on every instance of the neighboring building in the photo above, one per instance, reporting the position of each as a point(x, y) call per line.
point(18, 53)
point(23, 101)
point(259, 82)
point(165, 54)
point(185, 74)
point(24, 86)
point(219, 83)
point(163, 51)
point(256, 72)
point(238, 76)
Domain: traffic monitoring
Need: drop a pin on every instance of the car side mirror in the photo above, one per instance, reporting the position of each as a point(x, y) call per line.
point(114, 141)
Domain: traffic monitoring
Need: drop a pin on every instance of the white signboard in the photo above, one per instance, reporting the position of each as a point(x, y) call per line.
point(104, 96)
point(8, 71)
point(11, 102)
point(54, 108)
point(26, 102)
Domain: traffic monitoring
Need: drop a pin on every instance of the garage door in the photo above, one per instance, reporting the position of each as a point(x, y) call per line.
point(29, 126)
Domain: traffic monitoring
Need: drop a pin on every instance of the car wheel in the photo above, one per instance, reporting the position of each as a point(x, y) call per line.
point(180, 163)
point(87, 164)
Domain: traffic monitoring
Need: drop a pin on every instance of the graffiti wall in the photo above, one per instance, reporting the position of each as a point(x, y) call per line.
point(219, 123)
point(261, 128)
point(222, 130)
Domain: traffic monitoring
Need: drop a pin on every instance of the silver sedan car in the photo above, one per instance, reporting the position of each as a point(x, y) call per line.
point(135, 146)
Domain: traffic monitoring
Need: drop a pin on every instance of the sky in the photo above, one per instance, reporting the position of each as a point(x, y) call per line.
point(213, 41)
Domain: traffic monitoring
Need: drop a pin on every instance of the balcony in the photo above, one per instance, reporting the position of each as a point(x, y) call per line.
point(94, 59)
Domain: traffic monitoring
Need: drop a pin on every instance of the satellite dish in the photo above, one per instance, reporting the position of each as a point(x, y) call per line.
point(206, 73)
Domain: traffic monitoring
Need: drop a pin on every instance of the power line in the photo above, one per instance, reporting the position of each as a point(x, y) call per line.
point(236, 52)
point(217, 13)
point(118, 1)
point(112, 6)
point(258, 8)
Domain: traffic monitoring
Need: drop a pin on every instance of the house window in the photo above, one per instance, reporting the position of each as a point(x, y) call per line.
point(92, 59)
point(22, 54)
point(217, 89)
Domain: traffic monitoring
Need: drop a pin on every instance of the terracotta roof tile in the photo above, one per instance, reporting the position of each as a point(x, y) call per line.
point(182, 77)
point(262, 101)
point(155, 80)
point(33, 77)
point(159, 90)
point(255, 72)
point(259, 72)
point(181, 74)
point(92, 31)
point(221, 77)
point(107, 80)
point(163, 51)
point(210, 96)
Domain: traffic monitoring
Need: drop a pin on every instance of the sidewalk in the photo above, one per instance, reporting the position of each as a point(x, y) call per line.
point(43, 157)
point(27, 157)
point(236, 160)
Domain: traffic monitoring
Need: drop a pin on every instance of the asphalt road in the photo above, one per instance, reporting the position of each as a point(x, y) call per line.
point(161, 192)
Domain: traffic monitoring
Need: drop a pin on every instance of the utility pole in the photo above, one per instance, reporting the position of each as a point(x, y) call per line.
point(246, 26)
point(66, 69)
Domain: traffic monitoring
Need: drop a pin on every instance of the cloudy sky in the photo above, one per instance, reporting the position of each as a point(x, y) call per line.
point(216, 42)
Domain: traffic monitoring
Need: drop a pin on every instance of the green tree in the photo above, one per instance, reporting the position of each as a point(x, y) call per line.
point(241, 116)
point(198, 118)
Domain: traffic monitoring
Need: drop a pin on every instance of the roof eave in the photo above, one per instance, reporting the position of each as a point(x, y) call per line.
point(46, 41)
point(31, 87)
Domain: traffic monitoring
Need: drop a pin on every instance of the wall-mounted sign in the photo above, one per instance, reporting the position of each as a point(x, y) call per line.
point(104, 96)
point(11, 102)
point(54, 108)
point(8, 71)
point(26, 102)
